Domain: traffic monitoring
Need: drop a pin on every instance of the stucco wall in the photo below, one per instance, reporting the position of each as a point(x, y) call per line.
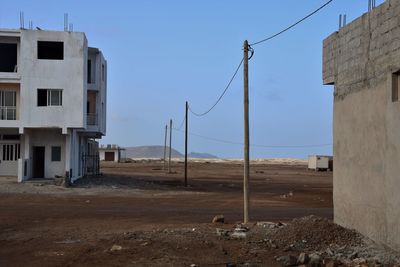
point(49, 138)
point(67, 74)
point(359, 60)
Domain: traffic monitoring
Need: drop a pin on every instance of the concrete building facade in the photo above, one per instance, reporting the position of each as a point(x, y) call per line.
point(362, 61)
point(52, 103)
point(110, 153)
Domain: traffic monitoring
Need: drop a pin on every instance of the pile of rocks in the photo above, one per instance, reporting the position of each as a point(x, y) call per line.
point(320, 242)
point(318, 259)
point(313, 233)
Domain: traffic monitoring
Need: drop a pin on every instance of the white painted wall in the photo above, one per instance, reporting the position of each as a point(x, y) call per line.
point(49, 138)
point(67, 74)
point(102, 153)
point(316, 162)
point(55, 125)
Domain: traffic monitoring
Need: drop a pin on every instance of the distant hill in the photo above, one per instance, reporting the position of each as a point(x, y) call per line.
point(201, 155)
point(149, 152)
point(158, 152)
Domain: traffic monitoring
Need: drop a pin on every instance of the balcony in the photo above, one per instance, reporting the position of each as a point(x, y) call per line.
point(92, 119)
point(8, 113)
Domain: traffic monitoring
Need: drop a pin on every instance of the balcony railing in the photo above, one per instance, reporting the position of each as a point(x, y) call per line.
point(92, 119)
point(8, 113)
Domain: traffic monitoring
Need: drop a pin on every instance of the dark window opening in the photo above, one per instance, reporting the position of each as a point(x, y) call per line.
point(49, 97)
point(42, 98)
point(89, 71)
point(50, 50)
point(88, 107)
point(102, 72)
point(17, 151)
point(8, 57)
point(55, 153)
point(10, 137)
point(395, 86)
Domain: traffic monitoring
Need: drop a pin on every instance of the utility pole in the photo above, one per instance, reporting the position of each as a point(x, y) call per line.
point(246, 132)
point(170, 146)
point(186, 141)
point(165, 145)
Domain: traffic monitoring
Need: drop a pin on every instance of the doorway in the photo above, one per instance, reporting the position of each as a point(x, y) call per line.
point(109, 156)
point(38, 161)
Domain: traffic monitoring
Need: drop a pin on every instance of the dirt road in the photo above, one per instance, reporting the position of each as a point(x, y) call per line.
point(137, 205)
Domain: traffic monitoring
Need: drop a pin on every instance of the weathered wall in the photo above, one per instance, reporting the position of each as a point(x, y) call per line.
point(67, 74)
point(359, 60)
point(49, 138)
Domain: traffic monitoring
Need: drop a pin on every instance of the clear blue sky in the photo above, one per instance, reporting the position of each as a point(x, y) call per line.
point(162, 53)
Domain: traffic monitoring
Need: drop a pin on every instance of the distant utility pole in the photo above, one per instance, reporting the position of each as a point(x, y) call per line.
point(170, 146)
point(246, 132)
point(186, 141)
point(165, 145)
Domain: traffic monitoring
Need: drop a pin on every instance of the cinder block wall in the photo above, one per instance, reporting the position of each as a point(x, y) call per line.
point(360, 60)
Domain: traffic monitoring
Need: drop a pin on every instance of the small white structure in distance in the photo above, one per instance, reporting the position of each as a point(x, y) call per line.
point(110, 153)
point(319, 162)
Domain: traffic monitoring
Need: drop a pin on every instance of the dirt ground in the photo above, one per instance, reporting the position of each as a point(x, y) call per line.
point(137, 215)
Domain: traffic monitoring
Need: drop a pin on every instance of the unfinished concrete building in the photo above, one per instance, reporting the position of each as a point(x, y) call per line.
point(52, 103)
point(362, 61)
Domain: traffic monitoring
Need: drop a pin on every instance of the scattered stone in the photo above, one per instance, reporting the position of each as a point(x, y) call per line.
point(193, 265)
point(68, 241)
point(329, 252)
point(270, 225)
point(315, 260)
point(290, 194)
point(239, 235)
point(287, 260)
point(222, 232)
point(303, 258)
point(218, 219)
point(354, 255)
point(266, 224)
point(359, 261)
point(328, 262)
point(115, 248)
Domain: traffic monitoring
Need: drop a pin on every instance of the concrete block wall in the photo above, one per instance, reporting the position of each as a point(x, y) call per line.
point(360, 60)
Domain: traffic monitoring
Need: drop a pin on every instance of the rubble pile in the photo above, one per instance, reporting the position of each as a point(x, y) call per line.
point(314, 241)
point(314, 233)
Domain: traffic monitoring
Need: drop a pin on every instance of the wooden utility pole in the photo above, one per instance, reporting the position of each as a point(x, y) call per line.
point(165, 145)
point(170, 146)
point(246, 132)
point(186, 141)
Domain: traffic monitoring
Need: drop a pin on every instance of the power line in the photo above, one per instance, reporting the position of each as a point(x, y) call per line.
point(253, 145)
point(293, 25)
point(180, 126)
point(220, 97)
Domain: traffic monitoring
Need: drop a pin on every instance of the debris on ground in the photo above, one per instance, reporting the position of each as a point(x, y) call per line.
point(116, 248)
point(218, 219)
point(329, 245)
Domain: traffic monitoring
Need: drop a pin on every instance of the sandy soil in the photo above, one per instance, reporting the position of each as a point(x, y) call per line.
point(154, 219)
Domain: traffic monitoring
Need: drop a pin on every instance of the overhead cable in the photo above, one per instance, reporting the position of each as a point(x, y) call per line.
point(220, 97)
point(254, 145)
point(293, 25)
